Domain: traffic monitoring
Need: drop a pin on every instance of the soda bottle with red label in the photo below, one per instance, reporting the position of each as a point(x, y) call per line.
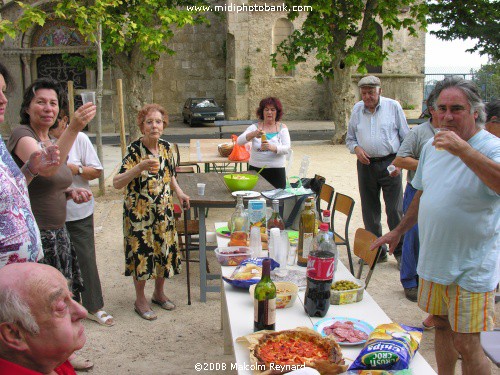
point(320, 272)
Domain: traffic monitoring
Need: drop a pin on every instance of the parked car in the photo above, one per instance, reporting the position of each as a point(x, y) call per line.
point(201, 110)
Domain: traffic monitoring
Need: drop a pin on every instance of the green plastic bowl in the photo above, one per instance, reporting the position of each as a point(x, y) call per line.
point(240, 181)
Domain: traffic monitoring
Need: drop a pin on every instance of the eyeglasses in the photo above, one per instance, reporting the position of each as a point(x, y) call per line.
point(152, 122)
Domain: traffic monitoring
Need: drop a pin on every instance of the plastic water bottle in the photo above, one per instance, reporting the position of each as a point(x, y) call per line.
point(304, 166)
point(198, 150)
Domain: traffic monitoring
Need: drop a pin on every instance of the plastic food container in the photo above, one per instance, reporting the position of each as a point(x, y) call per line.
point(240, 181)
point(232, 255)
point(286, 293)
point(342, 297)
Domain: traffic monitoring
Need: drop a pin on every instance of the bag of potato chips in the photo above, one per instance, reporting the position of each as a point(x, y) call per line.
point(389, 347)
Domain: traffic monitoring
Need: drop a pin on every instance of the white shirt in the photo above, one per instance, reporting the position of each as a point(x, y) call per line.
point(82, 153)
point(379, 133)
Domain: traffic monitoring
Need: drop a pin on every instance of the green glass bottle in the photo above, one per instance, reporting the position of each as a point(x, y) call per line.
point(264, 300)
point(307, 231)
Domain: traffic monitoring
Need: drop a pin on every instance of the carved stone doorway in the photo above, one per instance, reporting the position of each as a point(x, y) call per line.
point(55, 66)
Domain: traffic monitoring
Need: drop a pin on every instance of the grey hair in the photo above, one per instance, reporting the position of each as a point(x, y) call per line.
point(471, 92)
point(14, 310)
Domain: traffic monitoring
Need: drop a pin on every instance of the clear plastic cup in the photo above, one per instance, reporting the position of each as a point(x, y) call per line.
point(49, 156)
point(255, 242)
point(391, 168)
point(438, 130)
point(201, 188)
point(88, 96)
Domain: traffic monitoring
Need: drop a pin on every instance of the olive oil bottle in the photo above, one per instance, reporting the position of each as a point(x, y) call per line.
point(307, 231)
point(264, 300)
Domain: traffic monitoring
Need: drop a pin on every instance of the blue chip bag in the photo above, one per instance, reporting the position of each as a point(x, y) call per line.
point(248, 272)
point(389, 347)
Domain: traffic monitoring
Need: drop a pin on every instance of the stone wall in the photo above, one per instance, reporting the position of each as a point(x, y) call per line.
point(230, 60)
point(197, 69)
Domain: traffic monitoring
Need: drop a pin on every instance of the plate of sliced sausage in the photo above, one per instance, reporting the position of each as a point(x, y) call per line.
point(346, 331)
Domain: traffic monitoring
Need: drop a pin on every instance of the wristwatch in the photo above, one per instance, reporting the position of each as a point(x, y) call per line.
point(80, 170)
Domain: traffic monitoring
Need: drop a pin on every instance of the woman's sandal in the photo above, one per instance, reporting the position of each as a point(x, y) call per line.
point(101, 317)
point(148, 315)
point(81, 364)
point(166, 305)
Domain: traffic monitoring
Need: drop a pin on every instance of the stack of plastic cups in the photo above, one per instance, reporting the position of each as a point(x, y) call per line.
point(255, 242)
point(277, 251)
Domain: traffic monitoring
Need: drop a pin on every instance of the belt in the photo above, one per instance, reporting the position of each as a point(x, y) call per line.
point(383, 158)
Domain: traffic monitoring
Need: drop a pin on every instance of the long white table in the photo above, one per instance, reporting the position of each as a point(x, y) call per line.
point(237, 318)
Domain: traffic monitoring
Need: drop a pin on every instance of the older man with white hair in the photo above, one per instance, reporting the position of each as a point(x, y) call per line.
point(376, 130)
point(40, 323)
point(458, 209)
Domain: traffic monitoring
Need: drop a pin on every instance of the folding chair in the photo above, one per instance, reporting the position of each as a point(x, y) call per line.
point(184, 167)
point(325, 195)
point(362, 242)
point(345, 205)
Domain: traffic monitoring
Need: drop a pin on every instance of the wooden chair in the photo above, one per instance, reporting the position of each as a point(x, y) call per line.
point(184, 167)
point(187, 228)
point(325, 195)
point(362, 242)
point(345, 205)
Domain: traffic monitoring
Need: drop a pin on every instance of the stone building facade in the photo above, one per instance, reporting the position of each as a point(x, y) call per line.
point(228, 60)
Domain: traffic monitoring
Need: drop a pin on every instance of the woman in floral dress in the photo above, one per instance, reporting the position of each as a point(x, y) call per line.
point(151, 248)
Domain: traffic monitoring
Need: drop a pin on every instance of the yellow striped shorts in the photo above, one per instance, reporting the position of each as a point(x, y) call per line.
point(467, 312)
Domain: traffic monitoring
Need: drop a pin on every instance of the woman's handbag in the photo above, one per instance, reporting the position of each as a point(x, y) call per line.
point(239, 152)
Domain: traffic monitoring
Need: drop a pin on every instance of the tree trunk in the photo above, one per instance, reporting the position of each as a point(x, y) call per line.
point(342, 101)
point(137, 89)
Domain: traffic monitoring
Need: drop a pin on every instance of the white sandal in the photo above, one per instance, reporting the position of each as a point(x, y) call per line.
point(101, 317)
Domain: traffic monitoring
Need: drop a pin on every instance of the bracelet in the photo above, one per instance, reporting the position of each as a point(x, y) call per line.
point(33, 175)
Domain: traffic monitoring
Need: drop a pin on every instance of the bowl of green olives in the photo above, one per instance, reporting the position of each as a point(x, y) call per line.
point(346, 291)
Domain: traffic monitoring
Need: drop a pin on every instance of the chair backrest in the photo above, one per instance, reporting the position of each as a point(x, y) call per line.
point(184, 167)
point(177, 155)
point(362, 242)
point(345, 205)
point(325, 195)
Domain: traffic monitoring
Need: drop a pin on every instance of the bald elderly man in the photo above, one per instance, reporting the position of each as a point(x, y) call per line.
point(40, 323)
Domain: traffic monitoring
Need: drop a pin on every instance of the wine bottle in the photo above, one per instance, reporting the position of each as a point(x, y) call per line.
point(264, 300)
point(307, 231)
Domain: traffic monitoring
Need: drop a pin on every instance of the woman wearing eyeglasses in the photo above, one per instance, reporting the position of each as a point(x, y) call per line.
point(148, 173)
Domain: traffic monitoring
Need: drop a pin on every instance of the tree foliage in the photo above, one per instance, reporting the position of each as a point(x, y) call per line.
point(487, 78)
point(463, 19)
point(343, 33)
point(128, 26)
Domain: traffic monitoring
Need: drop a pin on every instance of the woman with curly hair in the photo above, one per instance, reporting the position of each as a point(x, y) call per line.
point(148, 173)
point(270, 142)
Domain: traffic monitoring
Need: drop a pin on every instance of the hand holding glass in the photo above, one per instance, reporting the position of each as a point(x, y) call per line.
point(49, 152)
point(156, 166)
point(438, 130)
point(88, 96)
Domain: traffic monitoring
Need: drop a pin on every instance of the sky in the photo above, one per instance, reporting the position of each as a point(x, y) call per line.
point(450, 55)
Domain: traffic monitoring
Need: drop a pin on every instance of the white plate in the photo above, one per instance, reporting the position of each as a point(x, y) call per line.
point(358, 324)
point(246, 193)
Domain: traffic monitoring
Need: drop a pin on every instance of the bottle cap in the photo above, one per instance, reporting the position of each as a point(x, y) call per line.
point(323, 227)
point(326, 213)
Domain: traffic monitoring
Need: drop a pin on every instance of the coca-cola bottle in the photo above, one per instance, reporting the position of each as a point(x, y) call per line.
point(320, 271)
